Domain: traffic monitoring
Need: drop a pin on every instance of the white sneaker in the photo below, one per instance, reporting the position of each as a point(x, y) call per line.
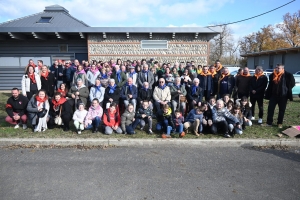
point(24, 126)
point(252, 118)
point(259, 121)
point(79, 132)
point(35, 129)
point(16, 126)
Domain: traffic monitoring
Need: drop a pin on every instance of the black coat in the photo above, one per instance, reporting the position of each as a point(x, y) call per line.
point(115, 96)
point(66, 110)
point(18, 105)
point(197, 96)
point(144, 95)
point(259, 85)
point(289, 83)
point(48, 84)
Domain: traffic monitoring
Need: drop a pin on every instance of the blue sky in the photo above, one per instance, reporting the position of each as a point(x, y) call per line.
point(160, 13)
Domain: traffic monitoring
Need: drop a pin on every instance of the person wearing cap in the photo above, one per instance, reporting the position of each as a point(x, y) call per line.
point(129, 94)
point(132, 74)
point(97, 91)
point(145, 76)
point(57, 70)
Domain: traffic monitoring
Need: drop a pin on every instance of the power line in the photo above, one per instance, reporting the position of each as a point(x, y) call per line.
point(250, 17)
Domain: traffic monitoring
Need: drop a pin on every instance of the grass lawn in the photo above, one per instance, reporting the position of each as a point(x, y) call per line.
point(256, 131)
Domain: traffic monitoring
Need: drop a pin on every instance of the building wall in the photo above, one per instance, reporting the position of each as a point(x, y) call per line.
point(292, 62)
point(264, 61)
point(250, 62)
point(184, 47)
point(277, 59)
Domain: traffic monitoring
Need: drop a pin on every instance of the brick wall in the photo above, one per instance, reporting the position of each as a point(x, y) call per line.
point(184, 47)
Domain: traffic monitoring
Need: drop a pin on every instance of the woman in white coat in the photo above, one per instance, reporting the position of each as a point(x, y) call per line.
point(31, 83)
point(38, 104)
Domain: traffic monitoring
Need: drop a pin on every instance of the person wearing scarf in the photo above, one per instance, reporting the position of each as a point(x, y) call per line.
point(80, 74)
point(132, 74)
point(145, 76)
point(60, 108)
point(93, 117)
point(145, 94)
point(78, 93)
point(129, 93)
point(119, 76)
point(36, 104)
point(194, 94)
point(206, 83)
point(257, 87)
point(278, 92)
point(226, 83)
point(63, 90)
point(92, 74)
point(161, 94)
point(112, 94)
point(165, 121)
point(218, 67)
point(47, 81)
point(31, 83)
point(97, 92)
point(242, 83)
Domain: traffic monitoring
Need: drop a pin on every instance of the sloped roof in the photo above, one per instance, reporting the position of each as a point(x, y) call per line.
point(276, 51)
point(60, 18)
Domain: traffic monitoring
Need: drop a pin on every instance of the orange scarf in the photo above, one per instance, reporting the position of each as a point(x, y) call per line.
point(202, 74)
point(56, 104)
point(277, 76)
point(213, 73)
point(32, 77)
point(218, 69)
point(245, 75)
point(45, 75)
point(39, 100)
point(223, 76)
point(258, 75)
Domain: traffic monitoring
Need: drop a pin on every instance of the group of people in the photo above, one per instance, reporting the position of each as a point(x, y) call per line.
point(119, 96)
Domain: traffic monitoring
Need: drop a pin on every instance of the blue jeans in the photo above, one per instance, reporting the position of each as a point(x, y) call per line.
point(95, 123)
point(165, 125)
point(130, 128)
point(179, 128)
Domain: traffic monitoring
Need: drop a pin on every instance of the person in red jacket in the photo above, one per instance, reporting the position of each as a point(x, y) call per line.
point(112, 120)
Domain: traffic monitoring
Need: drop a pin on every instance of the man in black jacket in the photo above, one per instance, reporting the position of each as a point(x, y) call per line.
point(279, 91)
point(16, 109)
point(257, 87)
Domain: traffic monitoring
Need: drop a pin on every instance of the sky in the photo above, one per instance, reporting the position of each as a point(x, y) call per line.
point(160, 13)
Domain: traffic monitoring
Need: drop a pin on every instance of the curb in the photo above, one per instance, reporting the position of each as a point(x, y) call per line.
point(150, 142)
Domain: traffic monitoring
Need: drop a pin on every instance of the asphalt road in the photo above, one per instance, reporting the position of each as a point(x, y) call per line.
point(150, 173)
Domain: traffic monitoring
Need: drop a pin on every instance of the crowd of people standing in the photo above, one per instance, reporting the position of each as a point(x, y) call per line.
point(118, 96)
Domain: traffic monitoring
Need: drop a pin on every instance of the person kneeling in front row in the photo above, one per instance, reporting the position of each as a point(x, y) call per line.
point(78, 118)
point(93, 118)
point(111, 120)
point(128, 120)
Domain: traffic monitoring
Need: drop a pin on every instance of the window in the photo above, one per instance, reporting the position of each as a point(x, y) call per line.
point(154, 44)
point(44, 20)
point(63, 48)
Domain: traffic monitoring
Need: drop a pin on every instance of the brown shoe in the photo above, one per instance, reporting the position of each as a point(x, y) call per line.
point(197, 134)
point(279, 125)
point(182, 134)
point(164, 136)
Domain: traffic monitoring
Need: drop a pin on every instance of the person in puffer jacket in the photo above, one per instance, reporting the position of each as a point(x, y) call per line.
point(128, 120)
point(112, 120)
point(165, 121)
point(93, 117)
point(145, 115)
point(220, 117)
point(78, 118)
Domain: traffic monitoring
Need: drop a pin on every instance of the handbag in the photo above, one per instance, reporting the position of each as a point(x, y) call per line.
point(43, 112)
point(58, 119)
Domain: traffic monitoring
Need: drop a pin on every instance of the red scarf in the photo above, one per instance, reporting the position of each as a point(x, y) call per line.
point(32, 77)
point(277, 76)
point(45, 75)
point(39, 100)
point(62, 92)
point(56, 104)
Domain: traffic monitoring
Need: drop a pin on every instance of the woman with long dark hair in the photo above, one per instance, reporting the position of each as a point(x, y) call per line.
point(31, 83)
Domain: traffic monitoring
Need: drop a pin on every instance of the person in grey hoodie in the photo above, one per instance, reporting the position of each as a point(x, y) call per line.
point(128, 120)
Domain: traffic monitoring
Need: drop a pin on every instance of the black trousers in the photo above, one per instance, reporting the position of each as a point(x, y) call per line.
point(281, 102)
point(222, 126)
point(260, 103)
point(65, 119)
point(30, 94)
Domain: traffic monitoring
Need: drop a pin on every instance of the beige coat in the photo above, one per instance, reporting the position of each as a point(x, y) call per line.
point(162, 95)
